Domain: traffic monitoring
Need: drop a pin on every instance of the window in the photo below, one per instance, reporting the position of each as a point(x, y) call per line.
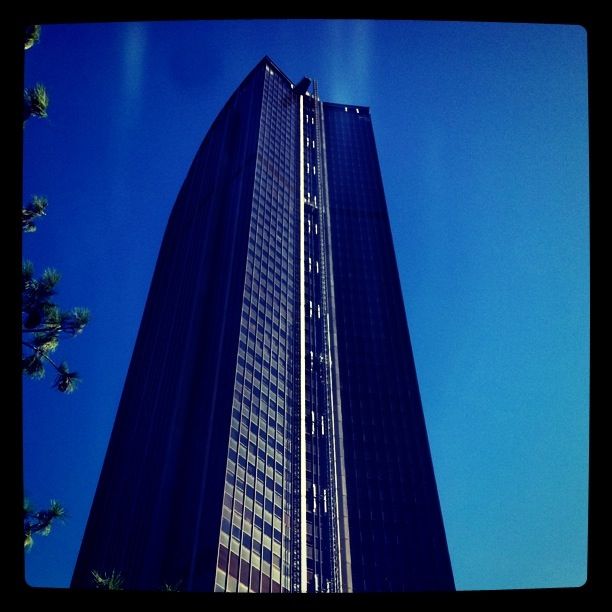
point(265, 583)
point(225, 526)
point(255, 580)
point(223, 557)
point(233, 565)
point(276, 562)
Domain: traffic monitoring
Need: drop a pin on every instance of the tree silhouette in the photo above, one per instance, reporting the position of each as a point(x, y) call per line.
point(32, 36)
point(37, 207)
point(116, 582)
point(112, 582)
point(172, 587)
point(39, 522)
point(35, 102)
point(43, 323)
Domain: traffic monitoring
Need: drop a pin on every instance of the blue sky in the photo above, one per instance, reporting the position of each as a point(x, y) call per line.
point(482, 137)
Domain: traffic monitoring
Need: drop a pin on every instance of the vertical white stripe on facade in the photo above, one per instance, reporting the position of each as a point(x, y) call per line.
point(303, 582)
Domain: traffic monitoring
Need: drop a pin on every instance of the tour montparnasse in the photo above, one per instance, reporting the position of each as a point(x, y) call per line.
point(270, 435)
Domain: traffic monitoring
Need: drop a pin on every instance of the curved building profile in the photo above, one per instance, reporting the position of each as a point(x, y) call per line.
point(270, 435)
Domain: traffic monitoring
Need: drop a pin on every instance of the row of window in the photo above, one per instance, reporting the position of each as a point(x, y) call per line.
point(251, 540)
point(249, 576)
point(259, 487)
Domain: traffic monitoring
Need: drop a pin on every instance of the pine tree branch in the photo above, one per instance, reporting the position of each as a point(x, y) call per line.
point(43, 330)
point(40, 353)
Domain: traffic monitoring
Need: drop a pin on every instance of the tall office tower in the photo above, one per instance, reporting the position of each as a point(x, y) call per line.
point(270, 435)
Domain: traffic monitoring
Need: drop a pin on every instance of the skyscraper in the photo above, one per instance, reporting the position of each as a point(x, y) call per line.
point(270, 435)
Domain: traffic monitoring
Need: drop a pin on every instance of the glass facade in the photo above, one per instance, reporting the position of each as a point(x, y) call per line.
point(255, 532)
point(270, 436)
point(393, 509)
